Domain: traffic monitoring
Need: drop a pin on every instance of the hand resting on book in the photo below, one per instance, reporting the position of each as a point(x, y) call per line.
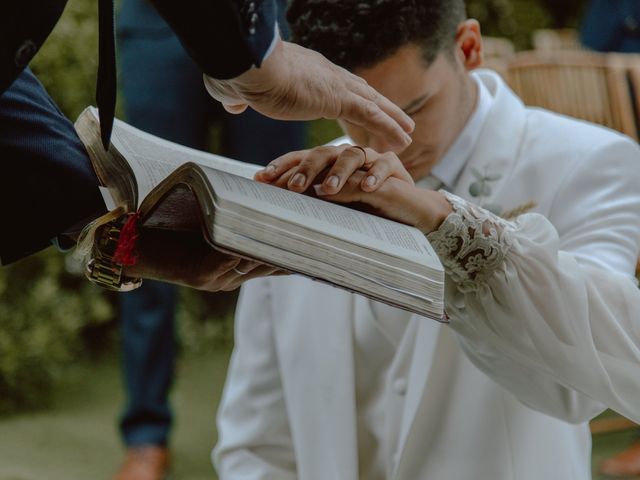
point(186, 259)
point(347, 174)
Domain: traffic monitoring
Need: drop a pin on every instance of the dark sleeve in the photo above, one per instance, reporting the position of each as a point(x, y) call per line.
point(48, 184)
point(224, 37)
point(24, 26)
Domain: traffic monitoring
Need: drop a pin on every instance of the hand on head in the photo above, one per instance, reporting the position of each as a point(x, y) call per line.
point(295, 83)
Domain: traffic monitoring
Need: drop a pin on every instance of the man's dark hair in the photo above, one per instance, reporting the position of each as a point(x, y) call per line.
point(361, 33)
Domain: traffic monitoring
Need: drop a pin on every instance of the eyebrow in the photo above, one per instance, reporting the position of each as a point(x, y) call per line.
point(415, 103)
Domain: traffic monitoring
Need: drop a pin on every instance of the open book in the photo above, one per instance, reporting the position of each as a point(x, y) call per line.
point(175, 187)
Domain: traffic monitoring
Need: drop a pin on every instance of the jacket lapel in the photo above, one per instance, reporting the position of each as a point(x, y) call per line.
point(427, 333)
point(427, 395)
point(319, 378)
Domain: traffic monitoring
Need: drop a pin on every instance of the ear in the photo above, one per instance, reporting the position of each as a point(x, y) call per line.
point(469, 44)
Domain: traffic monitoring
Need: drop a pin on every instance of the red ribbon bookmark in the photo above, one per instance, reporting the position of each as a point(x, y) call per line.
point(126, 253)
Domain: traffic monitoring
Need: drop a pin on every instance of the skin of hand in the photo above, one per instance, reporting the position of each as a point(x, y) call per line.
point(192, 262)
point(347, 174)
point(295, 83)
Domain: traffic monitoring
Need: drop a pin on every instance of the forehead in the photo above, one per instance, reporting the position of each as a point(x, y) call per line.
point(404, 76)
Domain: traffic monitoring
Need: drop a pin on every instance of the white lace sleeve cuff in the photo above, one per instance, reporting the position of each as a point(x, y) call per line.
point(471, 243)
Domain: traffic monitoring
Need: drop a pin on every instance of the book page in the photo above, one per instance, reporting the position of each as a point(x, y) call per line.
point(341, 222)
point(152, 159)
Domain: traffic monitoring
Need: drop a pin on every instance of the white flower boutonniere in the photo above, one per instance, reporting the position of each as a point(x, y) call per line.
point(482, 189)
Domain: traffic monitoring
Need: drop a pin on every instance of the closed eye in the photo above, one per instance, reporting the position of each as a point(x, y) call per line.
point(418, 109)
point(417, 105)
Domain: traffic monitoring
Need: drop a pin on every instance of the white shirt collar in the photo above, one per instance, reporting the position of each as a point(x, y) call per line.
point(450, 166)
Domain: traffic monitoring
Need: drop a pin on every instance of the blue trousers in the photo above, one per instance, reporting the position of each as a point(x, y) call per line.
point(164, 95)
point(612, 26)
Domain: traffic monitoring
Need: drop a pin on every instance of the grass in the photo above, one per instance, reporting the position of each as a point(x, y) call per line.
point(77, 438)
point(605, 445)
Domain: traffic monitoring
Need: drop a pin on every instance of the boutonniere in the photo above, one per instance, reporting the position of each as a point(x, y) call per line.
point(482, 189)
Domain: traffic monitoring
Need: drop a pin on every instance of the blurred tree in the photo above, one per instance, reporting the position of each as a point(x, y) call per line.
point(518, 19)
point(44, 311)
point(513, 19)
point(565, 13)
point(68, 62)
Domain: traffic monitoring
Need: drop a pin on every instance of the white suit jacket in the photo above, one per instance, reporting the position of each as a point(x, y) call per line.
point(534, 349)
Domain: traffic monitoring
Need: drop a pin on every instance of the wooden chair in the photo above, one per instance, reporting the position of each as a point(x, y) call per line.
point(566, 39)
point(601, 88)
point(497, 53)
point(498, 47)
point(630, 62)
point(589, 86)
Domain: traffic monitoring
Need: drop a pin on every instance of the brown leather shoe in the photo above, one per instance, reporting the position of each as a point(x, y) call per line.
point(624, 464)
point(144, 462)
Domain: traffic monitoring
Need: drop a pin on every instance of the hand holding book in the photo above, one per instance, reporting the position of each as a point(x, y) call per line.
point(197, 214)
point(347, 174)
point(185, 258)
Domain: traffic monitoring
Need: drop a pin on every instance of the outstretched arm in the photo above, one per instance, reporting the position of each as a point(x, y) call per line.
point(246, 64)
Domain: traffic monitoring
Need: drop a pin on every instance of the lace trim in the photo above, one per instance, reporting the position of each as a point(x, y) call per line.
point(471, 243)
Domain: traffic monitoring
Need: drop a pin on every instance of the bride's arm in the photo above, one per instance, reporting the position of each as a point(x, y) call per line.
point(551, 311)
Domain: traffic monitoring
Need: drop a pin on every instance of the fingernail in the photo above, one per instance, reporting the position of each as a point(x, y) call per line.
point(298, 180)
point(370, 181)
point(319, 191)
point(332, 181)
point(407, 138)
point(270, 170)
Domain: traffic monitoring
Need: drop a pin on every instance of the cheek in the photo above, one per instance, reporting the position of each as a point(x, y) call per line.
point(437, 124)
point(429, 129)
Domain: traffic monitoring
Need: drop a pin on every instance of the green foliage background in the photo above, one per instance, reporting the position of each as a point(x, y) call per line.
point(50, 317)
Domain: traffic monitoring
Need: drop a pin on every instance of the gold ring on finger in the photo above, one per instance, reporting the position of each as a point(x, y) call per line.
point(364, 152)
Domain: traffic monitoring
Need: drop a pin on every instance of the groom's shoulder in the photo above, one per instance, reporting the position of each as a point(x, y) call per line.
point(567, 154)
point(557, 145)
point(552, 131)
point(545, 130)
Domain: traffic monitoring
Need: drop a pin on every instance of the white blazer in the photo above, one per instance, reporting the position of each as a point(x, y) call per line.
point(531, 353)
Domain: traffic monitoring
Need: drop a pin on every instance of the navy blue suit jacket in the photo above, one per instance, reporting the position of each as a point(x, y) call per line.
point(612, 26)
point(224, 37)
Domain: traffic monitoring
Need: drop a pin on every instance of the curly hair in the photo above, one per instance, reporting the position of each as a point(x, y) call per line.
point(361, 33)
